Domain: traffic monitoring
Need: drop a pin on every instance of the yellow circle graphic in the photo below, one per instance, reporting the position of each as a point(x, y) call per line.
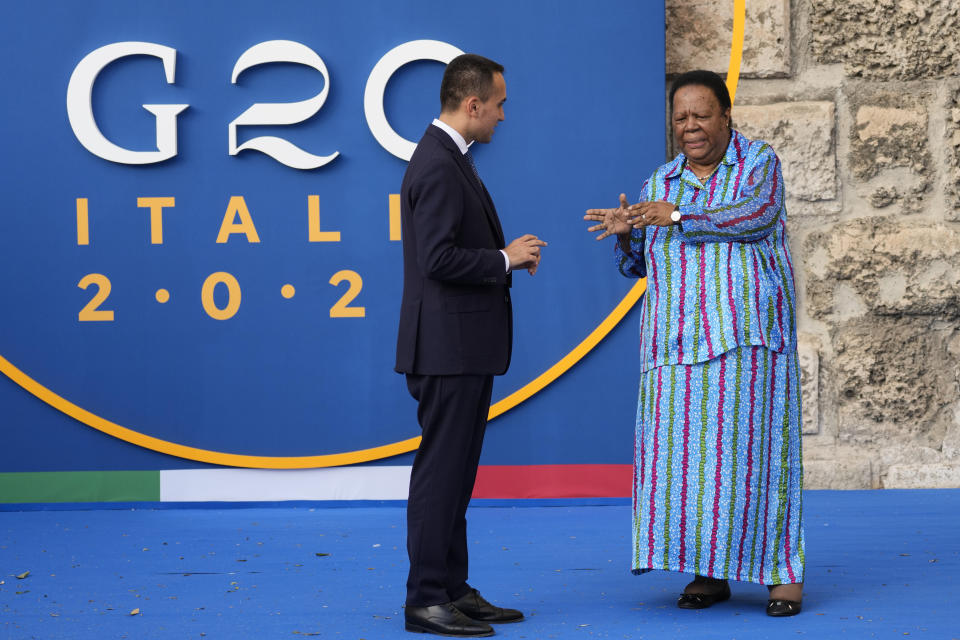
point(287, 291)
point(163, 296)
point(364, 455)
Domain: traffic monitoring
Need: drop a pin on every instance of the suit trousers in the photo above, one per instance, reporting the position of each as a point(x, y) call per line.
point(452, 411)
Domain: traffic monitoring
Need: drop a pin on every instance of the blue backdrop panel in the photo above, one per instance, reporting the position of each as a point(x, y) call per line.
point(281, 377)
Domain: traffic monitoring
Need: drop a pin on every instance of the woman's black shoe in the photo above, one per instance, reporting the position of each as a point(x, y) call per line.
point(703, 600)
point(782, 608)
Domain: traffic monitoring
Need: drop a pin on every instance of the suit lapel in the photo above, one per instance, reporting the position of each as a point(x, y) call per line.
point(481, 190)
point(492, 215)
point(468, 175)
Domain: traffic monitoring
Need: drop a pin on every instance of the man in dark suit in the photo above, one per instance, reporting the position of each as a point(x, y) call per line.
point(456, 330)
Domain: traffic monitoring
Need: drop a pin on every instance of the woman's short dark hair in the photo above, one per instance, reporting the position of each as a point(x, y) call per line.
point(467, 75)
point(703, 78)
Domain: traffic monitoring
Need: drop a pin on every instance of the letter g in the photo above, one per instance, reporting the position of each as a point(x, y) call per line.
point(80, 108)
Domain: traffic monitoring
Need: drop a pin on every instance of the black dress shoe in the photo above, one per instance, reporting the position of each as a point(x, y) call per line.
point(475, 605)
point(703, 600)
point(444, 620)
point(782, 608)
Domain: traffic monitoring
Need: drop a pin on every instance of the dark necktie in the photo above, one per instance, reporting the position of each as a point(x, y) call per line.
point(473, 167)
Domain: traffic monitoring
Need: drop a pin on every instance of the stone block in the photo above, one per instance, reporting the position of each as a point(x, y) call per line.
point(699, 34)
point(887, 39)
point(922, 476)
point(808, 352)
point(894, 385)
point(880, 122)
point(952, 127)
point(889, 291)
point(885, 136)
point(951, 442)
point(884, 267)
point(840, 473)
point(908, 453)
point(802, 135)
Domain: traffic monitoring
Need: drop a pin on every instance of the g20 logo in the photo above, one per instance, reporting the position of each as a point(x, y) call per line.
point(84, 124)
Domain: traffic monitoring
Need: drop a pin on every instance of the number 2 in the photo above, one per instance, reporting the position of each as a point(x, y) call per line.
point(342, 309)
point(279, 149)
point(91, 312)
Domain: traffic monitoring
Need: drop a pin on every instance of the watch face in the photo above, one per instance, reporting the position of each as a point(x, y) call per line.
point(675, 215)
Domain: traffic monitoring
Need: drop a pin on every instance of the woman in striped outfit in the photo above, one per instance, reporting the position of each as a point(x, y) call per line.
point(717, 468)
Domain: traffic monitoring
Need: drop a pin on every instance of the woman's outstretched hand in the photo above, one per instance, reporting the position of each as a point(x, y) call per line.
point(618, 221)
point(656, 214)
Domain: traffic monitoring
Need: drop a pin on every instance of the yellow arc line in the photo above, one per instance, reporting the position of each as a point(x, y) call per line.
point(330, 460)
point(567, 361)
point(736, 46)
point(375, 453)
point(598, 334)
point(192, 453)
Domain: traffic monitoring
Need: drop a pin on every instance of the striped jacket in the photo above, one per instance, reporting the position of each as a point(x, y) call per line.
point(723, 276)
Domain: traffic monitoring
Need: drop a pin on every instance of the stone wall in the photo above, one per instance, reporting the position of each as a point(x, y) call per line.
point(861, 100)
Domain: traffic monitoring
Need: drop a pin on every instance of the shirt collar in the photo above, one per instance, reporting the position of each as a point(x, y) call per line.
point(453, 133)
point(731, 156)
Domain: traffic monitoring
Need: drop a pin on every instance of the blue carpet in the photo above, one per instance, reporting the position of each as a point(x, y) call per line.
point(880, 564)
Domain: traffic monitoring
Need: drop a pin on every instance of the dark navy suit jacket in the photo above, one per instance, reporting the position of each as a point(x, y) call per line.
point(455, 314)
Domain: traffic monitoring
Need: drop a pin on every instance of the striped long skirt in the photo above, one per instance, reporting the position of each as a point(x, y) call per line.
point(718, 475)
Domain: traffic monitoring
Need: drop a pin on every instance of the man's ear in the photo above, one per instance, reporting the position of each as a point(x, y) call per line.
point(472, 105)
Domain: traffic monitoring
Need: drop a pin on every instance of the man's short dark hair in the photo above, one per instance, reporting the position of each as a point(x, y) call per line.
point(702, 78)
point(467, 75)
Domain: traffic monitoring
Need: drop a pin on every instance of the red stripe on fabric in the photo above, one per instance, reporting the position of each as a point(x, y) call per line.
point(554, 481)
point(653, 467)
point(713, 188)
point(746, 499)
point(789, 473)
point(703, 300)
point(742, 162)
point(759, 212)
point(686, 468)
point(733, 306)
point(766, 503)
point(720, 455)
point(786, 547)
point(683, 295)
